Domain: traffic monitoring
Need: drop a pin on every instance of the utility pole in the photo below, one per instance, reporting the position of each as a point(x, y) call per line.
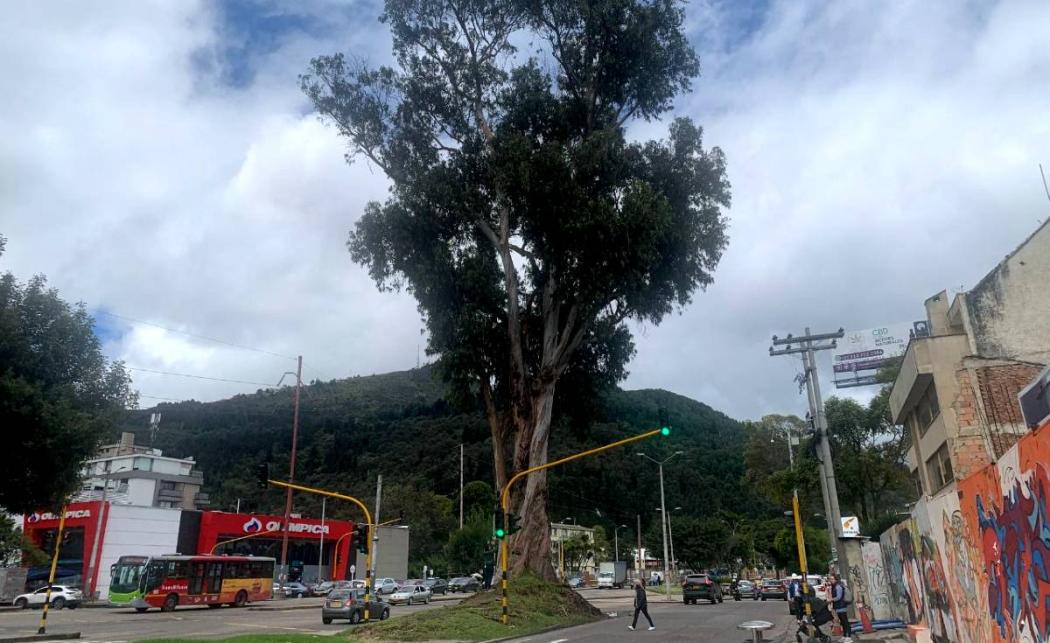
point(616, 538)
point(641, 558)
point(375, 532)
point(461, 486)
point(320, 554)
point(807, 345)
point(291, 472)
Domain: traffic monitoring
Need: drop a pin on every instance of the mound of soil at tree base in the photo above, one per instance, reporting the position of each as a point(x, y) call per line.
point(536, 596)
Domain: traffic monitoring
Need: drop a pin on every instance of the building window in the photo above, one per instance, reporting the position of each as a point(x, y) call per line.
point(926, 410)
point(167, 485)
point(917, 481)
point(939, 468)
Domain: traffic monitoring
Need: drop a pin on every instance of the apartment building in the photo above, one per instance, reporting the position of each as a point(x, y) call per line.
point(957, 388)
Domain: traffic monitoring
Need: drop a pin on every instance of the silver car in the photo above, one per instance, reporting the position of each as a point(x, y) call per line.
point(409, 594)
point(349, 605)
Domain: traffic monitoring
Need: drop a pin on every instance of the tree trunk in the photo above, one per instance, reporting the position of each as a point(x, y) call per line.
point(531, 547)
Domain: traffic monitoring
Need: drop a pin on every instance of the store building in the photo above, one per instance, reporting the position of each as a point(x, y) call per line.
point(316, 549)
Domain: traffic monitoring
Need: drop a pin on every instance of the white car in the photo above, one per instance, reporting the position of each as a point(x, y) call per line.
point(410, 594)
point(61, 596)
point(384, 586)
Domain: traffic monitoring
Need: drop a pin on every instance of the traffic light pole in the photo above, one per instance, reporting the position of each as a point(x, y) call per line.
point(368, 522)
point(505, 501)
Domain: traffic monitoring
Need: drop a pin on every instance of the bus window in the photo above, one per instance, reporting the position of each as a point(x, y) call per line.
point(155, 574)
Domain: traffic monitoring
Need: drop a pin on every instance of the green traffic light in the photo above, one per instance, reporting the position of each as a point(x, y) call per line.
point(500, 533)
point(665, 431)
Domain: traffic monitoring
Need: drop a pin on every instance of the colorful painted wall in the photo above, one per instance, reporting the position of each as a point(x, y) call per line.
point(973, 563)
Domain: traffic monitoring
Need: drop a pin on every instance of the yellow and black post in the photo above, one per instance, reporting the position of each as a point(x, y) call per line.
point(367, 534)
point(800, 541)
point(505, 502)
point(51, 577)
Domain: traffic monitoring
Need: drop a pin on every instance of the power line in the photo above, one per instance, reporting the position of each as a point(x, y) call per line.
point(200, 377)
point(195, 336)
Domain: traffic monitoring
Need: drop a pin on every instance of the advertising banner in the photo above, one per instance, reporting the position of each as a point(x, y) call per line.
point(860, 353)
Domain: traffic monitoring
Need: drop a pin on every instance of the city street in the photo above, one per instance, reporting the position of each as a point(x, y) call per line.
point(103, 624)
point(674, 621)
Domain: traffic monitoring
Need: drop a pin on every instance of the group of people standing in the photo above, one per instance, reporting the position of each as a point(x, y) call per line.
point(820, 611)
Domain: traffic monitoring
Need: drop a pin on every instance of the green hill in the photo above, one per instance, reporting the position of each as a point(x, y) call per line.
point(400, 426)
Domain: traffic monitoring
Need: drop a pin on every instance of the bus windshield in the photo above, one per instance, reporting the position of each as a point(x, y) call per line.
point(126, 574)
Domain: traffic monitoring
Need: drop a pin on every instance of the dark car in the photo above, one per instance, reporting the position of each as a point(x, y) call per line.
point(746, 589)
point(349, 605)
point(700, 587)
point(463, 584)
point(773, 589)
point(437, 586)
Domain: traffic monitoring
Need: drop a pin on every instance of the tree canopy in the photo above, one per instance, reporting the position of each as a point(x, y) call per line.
point(526, 225)
point(58, 394)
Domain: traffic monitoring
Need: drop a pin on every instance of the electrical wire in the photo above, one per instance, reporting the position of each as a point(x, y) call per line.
point(200, 377)
point(195, 336)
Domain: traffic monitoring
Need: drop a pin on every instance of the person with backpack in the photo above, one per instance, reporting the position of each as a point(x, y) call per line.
point(641, 606)
point(840, 600)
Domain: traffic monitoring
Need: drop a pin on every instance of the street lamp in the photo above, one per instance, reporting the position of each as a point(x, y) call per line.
point(616, 538)
point(663, 508)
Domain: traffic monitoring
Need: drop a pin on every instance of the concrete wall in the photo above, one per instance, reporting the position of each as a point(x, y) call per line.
point(1008, 312)
point(142, 531)
point(142, 491)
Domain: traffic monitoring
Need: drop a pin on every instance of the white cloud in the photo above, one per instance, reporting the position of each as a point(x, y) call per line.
point(878, 153)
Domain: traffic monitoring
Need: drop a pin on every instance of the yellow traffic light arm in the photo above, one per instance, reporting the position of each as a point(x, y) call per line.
point(368, 521)
point(505, 499)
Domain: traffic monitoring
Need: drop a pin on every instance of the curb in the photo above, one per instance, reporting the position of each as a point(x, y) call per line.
point(545, 630)
point(281, 608)
point(40, 637)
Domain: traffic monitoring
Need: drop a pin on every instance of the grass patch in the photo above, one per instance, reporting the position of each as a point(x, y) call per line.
point(534, 605)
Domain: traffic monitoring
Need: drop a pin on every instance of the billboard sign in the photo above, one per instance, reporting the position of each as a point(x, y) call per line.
point(862, 352)
point(1035, 400)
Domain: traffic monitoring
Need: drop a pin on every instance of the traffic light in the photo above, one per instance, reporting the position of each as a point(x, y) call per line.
point(359, 538)
point(513, 524)
point(262, 475)
point(498, 531)
point(665, 431)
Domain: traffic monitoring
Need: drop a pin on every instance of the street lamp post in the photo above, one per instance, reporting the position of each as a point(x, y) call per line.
point(616, 539)
point(663, 509)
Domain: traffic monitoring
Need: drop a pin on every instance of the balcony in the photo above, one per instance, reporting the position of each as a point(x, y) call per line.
point(926, 360)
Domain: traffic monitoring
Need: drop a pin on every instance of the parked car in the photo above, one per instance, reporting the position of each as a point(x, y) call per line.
point(61, 596)
point(437, 586)
point(349, 605)
point(746, 589)
point(819, 585)
point(700, 587)
point(464, 584)
point(322, 589)
point(385, 586)
point(410, 594)
point(408, 582)
point(772, 588)
point(295, 589)
point(575, 582)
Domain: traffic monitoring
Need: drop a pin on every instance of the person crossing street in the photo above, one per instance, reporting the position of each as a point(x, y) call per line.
point(641, 606)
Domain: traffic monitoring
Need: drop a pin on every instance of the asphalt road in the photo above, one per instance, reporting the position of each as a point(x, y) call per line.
point(705, 623)
point(104, 624)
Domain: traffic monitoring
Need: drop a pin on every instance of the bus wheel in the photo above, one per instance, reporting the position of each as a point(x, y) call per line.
point(214, 606)
point(170, 603)
point(241, 600)
point(141, 610)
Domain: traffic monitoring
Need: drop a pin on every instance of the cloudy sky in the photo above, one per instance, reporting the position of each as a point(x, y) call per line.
point(160, 164)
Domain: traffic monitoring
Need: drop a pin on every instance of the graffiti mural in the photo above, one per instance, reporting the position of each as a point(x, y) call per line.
point(876, 581)
point(1005, 509)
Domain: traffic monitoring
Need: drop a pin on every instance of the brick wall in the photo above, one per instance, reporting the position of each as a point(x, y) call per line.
point(969, 450)
point(999, 386)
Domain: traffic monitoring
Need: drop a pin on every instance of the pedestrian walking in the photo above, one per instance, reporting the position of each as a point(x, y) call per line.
point(641, 606)
point(840, 601)
point(795, 595)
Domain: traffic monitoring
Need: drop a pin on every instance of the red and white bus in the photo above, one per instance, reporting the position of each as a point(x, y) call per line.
point(169, 581)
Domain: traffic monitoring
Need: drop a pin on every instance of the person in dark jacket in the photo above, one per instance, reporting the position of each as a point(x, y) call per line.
point(838, 602)
point(641, 606)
